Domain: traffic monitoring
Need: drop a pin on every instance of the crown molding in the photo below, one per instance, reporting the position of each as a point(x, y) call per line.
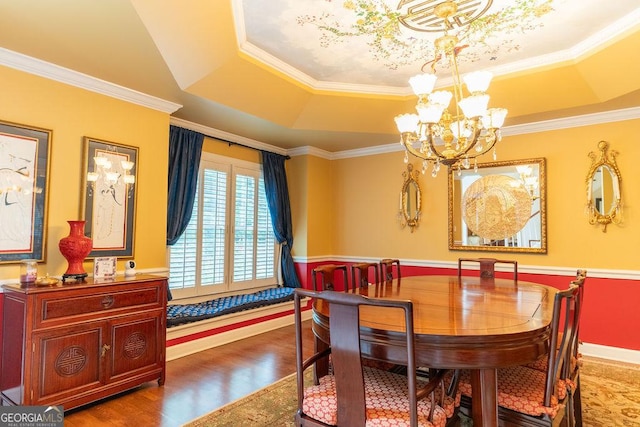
point(50, 71)
point(227, 136)
point(311, 151)
point(575, 121)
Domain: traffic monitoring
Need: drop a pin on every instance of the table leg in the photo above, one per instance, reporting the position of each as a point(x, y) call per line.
point(484, 401)
point(321, 367)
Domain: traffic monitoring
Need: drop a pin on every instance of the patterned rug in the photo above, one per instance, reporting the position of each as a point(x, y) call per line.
point(610, 398)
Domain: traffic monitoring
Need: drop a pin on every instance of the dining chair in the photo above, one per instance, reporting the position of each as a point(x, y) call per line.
point(575, 360)
point(531, 397)
point(323, 277)
point(353, 394)
point(386, 268)
point(361, 272)
point(488, 266)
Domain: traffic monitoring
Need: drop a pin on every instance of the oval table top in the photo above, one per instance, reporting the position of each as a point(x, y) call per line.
point(459, 322)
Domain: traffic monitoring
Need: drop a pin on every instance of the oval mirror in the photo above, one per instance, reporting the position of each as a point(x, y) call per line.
point(411, 198)
point(604, 201)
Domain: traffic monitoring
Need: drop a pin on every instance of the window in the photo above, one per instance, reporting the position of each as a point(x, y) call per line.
point(229, 243)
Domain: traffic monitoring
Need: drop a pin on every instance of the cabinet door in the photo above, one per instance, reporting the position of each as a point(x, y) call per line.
point(67, 361)
point(135, 345)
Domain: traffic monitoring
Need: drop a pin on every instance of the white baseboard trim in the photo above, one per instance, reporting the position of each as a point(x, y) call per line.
point(610, 353)
point(205, 343)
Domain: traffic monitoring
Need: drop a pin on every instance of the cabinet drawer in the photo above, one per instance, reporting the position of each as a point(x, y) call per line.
point(103, 302)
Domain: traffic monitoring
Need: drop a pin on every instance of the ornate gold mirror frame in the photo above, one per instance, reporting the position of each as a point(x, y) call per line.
point(604, 199)
point(411, 199)
point(499, 207)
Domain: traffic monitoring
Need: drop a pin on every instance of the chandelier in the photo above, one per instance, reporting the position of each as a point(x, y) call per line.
point(440, 136)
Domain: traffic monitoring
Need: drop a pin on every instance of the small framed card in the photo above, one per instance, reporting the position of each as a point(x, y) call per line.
point(104, 267)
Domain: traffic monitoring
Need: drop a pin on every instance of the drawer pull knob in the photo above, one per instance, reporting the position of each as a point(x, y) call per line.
point(105, 348)
point(107, 301)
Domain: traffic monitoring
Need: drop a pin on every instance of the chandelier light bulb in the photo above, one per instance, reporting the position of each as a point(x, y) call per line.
point(460, 129)
point(407, 123)
point(441, 97)
point(474, 106)
point(422, 84)
point(494, 118)
point(478, 81)
point(430, 113)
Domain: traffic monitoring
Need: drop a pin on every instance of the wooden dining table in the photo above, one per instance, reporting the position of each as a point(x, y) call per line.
point(460, 323)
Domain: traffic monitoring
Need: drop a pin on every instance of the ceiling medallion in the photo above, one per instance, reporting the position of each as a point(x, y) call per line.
point(437, 16)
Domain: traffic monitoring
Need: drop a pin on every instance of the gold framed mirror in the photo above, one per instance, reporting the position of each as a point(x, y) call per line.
point(499, 207)
point(604, 199)
point(410, 198)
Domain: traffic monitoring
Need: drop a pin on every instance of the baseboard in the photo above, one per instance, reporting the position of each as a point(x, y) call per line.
point(611, 353)
point(231, 328)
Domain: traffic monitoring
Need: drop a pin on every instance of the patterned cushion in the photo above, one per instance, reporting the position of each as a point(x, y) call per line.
point(521, 389)
point(542, 363)
point(178, 314)
point(387, 401)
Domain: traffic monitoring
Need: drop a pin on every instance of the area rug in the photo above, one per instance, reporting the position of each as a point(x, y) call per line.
point(610, 398)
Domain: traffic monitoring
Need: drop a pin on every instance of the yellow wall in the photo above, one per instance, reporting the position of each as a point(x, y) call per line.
point(72, 113)
point(364, 196)
point(314, 208)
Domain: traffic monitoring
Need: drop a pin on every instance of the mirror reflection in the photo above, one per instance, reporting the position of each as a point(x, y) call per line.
point(604, 201)
point(499, 206)
point(410, 198)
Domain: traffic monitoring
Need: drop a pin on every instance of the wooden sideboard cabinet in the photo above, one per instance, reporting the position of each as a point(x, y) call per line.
point(74, 343)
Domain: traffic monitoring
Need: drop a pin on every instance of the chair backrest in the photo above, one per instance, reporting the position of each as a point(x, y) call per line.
point(323, 277)
point(344, 331)
point(360, 274)
point(564, 326)
point(581, 276)
point(488, 266)
point(386, 268)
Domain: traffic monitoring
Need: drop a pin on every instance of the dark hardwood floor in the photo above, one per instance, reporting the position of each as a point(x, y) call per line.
point(199, 383)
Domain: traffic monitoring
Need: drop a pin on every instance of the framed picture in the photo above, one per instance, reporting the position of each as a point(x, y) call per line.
point(25, 154)
point(104, 267)
point(109, 200)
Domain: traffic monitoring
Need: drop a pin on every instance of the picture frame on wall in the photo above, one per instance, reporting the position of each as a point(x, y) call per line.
point(109, 197)
point(25, 153)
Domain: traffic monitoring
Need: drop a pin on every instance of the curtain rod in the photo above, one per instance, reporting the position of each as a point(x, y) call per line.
point(243, 145)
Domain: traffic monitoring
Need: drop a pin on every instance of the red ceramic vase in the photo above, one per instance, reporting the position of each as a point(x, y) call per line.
point(75, 248)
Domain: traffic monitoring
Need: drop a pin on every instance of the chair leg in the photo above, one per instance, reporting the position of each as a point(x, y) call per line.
point(577, 405)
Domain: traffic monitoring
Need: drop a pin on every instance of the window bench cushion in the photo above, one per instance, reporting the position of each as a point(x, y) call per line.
point(178, 314)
